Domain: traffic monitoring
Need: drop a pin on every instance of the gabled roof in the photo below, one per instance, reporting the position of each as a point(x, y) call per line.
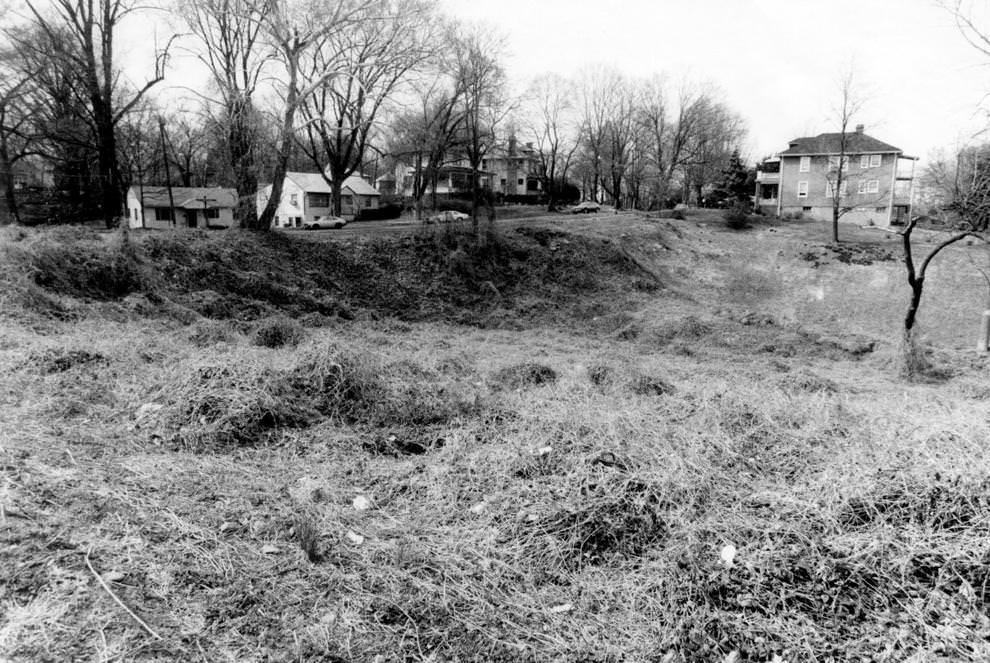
point(309, 182)
point(856, 143)
point(360, 186)
point(315, 183)
point(187, 197)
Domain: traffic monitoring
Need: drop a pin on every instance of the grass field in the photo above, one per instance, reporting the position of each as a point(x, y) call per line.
point(610, 438)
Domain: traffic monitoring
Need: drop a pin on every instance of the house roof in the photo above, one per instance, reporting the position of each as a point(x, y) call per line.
point(360, 186)
point(856, 143)
point(187, 197)
point(310, 182)
point(315, 183)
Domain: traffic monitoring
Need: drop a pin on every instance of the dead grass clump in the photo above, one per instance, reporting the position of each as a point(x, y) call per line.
point(218, 407)
point(207, 333)
point(306, 532)
point(941, 505)
point(277, 331)
point(611, 516)
point(688, 329)
point(650, 385)
point(523, 376)
point(808, 382)
point(55, 360)
point(334, 382)
point(601, 375)
point(917, 361)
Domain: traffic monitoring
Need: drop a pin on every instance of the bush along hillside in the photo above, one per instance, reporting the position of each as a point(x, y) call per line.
point(258, 448)
point(449, 275)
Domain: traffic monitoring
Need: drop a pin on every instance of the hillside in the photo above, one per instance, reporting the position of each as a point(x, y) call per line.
point(606, 439)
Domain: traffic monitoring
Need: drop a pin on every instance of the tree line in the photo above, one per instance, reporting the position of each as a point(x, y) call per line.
point(333, 87)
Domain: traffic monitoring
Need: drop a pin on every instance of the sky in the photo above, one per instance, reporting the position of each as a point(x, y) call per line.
point(777, 62)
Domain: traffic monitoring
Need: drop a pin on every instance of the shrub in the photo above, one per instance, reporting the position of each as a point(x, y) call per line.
point(672, 214)
point(650, 385)
point(393, 211)
point(521, 376)
point(737, 216)
point(277, 331)
point(205, 333)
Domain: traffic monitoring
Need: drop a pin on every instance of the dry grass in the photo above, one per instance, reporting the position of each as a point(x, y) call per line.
point(579, 518)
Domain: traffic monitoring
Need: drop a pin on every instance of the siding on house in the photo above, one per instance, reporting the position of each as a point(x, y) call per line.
point(195, 207)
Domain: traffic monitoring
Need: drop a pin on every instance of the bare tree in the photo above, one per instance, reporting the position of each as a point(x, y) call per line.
point(92, 27)
point(849, 104)
point(373, 58)
point(553, 126)
point(230, 33)
point(484, 99)
point(595, 88)
point(427, 132)
point(295, 31)
point(18, 136)
point(670, 122)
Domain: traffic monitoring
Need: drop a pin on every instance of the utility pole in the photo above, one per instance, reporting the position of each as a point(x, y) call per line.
point(168, 176)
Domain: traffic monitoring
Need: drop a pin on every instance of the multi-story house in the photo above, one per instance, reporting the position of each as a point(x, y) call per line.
point(876, 179)
point(512, 170)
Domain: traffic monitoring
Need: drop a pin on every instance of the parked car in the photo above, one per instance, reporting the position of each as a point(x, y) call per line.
point(325, 223)
point(587, 207)
point(447, 216)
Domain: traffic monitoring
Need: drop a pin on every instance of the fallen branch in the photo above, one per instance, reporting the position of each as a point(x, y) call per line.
point(109, 591)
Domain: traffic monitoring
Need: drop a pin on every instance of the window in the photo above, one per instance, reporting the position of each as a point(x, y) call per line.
point(294, 199)
point(876, 160)
point(862, 187)
point(864, 161)
point(873, 186)
point(843, 188)
point(163, 214)
point(521, 181)
point(503, 181)
point(833, 163)
point(805, 209)
point(805, 164)
point(347, 200)
point(367, 202)
point(484, 164)
point(881, 210)
point(211, 213)
point(802, 189)
point(318, 199)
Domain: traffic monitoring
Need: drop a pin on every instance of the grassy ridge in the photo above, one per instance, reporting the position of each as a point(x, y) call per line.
point(555, 481)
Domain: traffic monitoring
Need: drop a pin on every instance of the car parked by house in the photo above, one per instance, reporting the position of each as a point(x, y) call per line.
point(587, 207)
point(325, 223)
point(447, 216)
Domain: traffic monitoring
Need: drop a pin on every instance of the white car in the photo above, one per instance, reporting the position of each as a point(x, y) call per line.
point(325, 223)
point(448, 216)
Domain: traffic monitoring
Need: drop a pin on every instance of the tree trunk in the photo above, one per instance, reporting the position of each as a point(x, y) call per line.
point(264, 222)
point(835, 225)
point(917, 285)
point(109, 176)
point(10, 198)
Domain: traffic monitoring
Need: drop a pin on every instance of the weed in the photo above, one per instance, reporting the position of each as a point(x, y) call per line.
point(307, 534)
point(206, 333)
point(277, 331)
point(58, 361)
point(523, 376)
point(650, 385)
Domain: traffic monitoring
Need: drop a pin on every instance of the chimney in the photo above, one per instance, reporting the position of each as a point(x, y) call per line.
point(859, 128)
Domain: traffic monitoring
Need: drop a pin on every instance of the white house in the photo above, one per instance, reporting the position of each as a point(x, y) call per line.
point(195, 207)
point(306, 197)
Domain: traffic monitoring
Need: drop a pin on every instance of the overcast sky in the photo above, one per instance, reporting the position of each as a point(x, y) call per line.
point(776, 61)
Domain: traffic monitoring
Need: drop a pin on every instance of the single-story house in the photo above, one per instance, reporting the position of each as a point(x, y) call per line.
point(195, 207)
point(306, 197)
